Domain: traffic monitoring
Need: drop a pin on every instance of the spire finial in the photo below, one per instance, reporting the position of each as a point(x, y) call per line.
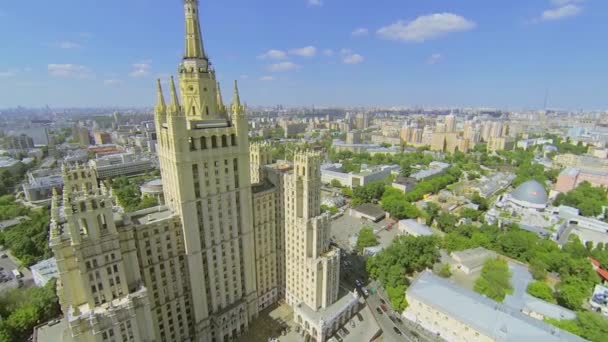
point(194, 38)
point(237, 108)
point(161, 107)
point(220, 100)
point(174, 106)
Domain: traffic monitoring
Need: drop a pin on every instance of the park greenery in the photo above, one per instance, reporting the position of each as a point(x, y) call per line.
point(366, 238)
point(445, 271)
point(9, 180)
point(28, 240)
point(330, 209)
point(128, 194)
point(22, 310)
point(586, 198)
point(570, 262)
point(495, 280)
point(351, 162)
point(9, 209)
point(406, 255)
point(542, 290)
point(565, 146)
point(398, 204)
point(588, 325)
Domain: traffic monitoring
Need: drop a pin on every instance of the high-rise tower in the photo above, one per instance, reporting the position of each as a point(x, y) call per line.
point(204, 159)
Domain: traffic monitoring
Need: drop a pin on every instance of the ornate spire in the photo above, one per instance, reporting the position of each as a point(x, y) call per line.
point(174, 108)
point(194, 39)
point(220, 102)
point(237, 108)
point(161, 107)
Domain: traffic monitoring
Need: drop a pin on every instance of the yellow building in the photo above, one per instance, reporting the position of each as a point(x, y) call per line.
point(200, 268)
point(500, 144)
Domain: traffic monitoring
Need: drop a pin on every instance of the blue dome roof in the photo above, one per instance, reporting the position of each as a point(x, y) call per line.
point(531, 192)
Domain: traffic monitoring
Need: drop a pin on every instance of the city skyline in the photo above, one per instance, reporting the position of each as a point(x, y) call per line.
point(321, 53)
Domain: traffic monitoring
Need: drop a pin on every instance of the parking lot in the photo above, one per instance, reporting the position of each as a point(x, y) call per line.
point(7, 279)
point(346, 227)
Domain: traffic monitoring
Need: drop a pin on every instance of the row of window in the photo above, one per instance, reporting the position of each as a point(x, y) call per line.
point(204, 143)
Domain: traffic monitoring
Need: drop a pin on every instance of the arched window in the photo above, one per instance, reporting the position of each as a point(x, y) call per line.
point(203, 143)
point(191, 142)
point(193, 110)
point(233, 139)
point(224, 141)
point(101, 221)
point(207, 110)
point(214, 141)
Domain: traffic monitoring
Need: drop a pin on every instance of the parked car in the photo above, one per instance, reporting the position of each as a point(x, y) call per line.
point(379, 311)
point(384, 308)
point(3, 256)
point(397, 331)
point(382, 301)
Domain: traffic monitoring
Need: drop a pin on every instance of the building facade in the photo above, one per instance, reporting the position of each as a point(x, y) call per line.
point(200, 268)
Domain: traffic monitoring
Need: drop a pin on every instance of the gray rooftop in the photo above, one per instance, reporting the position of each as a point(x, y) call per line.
point(493, 319)
point(412, 226)
point(370, 210)
point(531, 192)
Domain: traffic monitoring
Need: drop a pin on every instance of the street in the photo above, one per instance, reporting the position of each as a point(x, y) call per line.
point(7, 265)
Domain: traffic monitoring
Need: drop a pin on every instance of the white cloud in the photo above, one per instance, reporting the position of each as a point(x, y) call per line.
point(434, 59)
point(283, 66)
point(360, 32)
point(112, 82)
point(68, 45)
point(8, 73)
point(141, 69)
point(308, 51)
point(267, 78)
point(315, 2)
point(561, 12)
point(565, 2)
point(328, 52)
point(353, 59)
point(273, 54)
point(244, 77)
point(426, 27)
point(346, 51)
point(69, 71)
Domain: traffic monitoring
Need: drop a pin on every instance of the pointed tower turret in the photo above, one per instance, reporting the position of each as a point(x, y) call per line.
point(220, 102)
point(237, 108)
point(161, 107)
point(174, 107)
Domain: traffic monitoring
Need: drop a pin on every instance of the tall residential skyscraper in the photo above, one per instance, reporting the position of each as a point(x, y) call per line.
point(204, 160)
point(201, 267)
point(450, 124)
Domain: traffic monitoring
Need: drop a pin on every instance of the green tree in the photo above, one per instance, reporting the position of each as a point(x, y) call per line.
point(366, 238)
point(588, 199)
point(397, 297)
point(541, 290)
point(572, 292)
point(446, 222)
point(336, 183)
point(472, 214)
point(495, 280)
point(445, 271)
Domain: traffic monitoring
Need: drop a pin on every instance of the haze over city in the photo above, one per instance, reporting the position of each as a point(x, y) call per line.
point(303, 171)
point(313, 52)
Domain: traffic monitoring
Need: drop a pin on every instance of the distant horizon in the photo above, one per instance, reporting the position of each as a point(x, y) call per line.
point(450, 55)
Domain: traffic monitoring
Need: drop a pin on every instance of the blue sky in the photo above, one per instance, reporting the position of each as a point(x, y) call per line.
point(312, 52)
